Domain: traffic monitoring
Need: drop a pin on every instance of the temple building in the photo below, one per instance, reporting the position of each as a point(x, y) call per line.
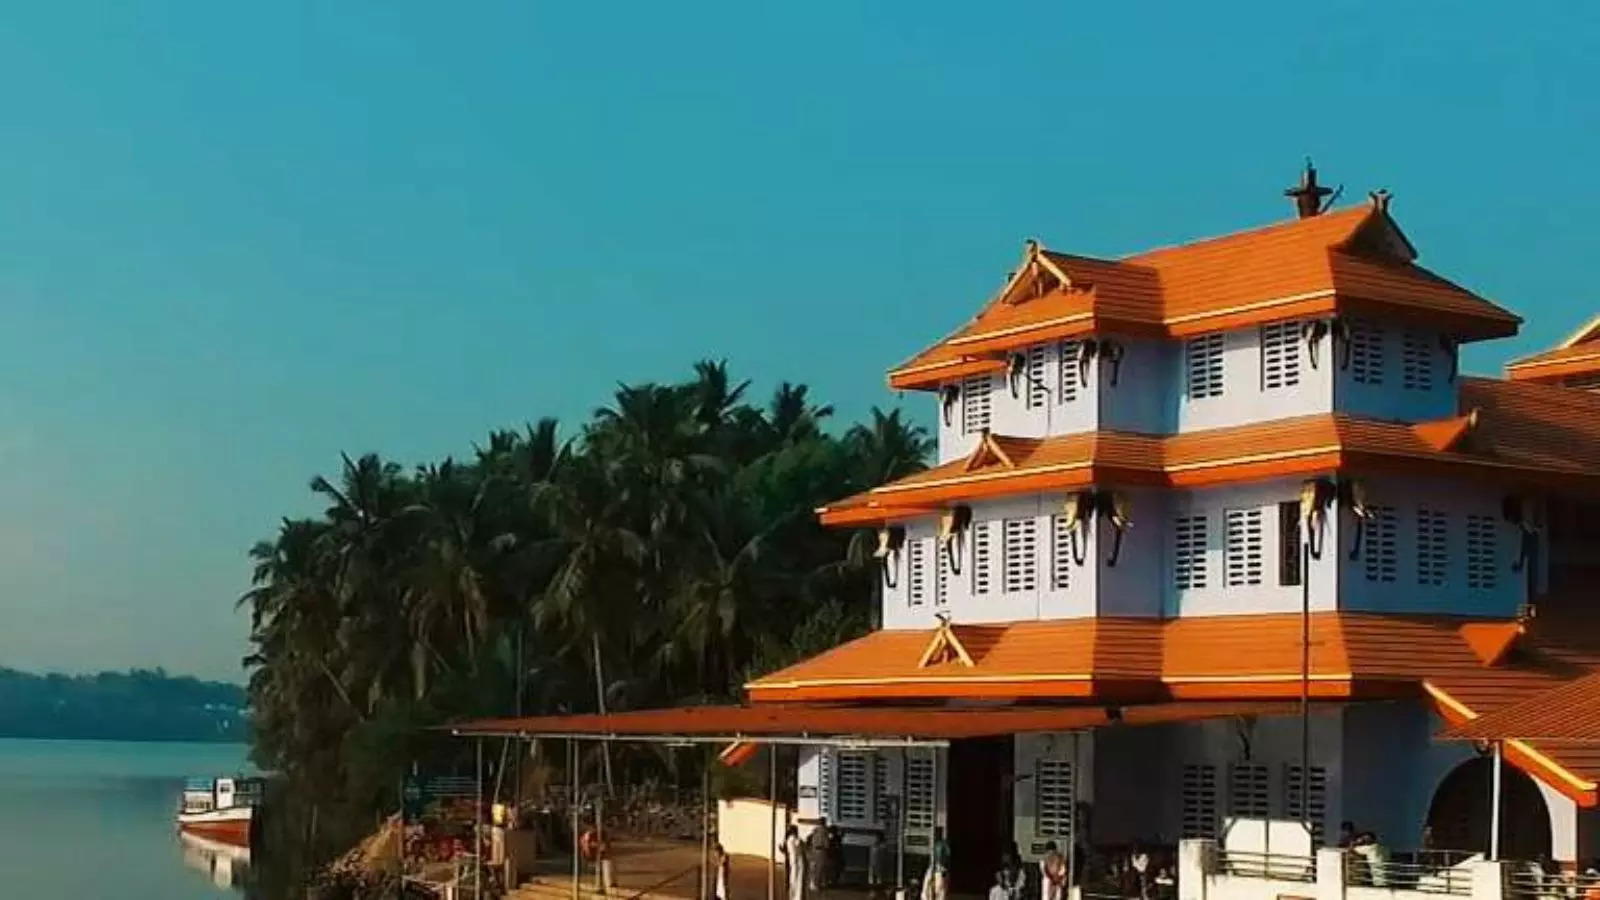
point(1225, 532)
point(1155, 476)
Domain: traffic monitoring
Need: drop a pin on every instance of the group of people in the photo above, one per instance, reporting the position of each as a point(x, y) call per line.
point(812, 863)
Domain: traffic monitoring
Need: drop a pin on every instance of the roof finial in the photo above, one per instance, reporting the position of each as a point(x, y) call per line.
point(1308, 195)
point(1380, 199)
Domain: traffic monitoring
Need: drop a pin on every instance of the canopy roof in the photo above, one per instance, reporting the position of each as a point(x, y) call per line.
point(864, 726)
point(1569, 714)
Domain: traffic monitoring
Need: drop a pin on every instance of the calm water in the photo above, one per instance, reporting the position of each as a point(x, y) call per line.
point(81, 820)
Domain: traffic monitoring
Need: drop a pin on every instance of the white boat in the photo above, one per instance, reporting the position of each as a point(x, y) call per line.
point(220, 809)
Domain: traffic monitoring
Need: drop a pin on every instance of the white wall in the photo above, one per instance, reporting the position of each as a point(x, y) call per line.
point(962, 603)
point(748, 827)
point(1393, 766)
point(1217, 597)
point(1244, 399)
point(1406, 592)
point(816, 801)
point(1138, 583)
point(1392, 399)
point(1145, 396)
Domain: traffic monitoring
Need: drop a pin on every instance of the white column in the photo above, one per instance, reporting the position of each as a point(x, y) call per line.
point(1494, 808)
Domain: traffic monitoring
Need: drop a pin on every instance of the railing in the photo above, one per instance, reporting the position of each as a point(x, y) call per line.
point(1274, 866)
point(1528, 881)
point(1426, 874)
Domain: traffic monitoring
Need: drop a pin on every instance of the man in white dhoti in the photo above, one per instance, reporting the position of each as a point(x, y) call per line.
point(936, 885)
point(1053, 874)
point(794, 863)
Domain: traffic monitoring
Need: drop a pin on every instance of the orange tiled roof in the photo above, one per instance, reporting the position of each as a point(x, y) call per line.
point(1349, 260)
point(1569, 714)
point(1520, 430)
point(1578, 354)
point(1202, 657)
point(1230, 658)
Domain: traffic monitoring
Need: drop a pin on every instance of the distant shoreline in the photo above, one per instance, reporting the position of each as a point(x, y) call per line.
point(241, 740)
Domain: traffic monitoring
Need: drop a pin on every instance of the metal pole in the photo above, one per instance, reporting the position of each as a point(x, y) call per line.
point(572, 803)
point(705, 823)
point(1305, 679)
point(900, 839)
point(477, 831)
point(772, 836)
point(1494, 808)
point(1072, 818)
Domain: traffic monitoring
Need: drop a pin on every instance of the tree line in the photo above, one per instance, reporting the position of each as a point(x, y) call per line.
point(663, 553)
point(137, 705)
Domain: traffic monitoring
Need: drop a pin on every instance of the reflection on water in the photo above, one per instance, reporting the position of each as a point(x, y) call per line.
point(85, 819)
point(226, 864)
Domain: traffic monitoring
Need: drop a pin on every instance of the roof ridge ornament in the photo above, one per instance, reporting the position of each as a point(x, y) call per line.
point(1308, 195)
point(1380, 200)
point(945, 646)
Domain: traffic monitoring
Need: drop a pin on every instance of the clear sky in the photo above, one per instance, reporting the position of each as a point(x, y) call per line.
point(236, 241)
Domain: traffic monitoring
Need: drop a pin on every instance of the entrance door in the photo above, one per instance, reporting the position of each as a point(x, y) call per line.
point(979, 788)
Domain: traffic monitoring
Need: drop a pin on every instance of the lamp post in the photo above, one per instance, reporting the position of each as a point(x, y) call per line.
point(1305, 676)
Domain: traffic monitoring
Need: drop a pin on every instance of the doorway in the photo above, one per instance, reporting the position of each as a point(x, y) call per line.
point(979, 786)
point(1460, 813)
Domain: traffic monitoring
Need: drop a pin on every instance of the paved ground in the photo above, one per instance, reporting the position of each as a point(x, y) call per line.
point(666, 870)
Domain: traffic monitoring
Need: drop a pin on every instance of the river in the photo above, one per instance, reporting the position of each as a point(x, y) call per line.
point(92, 819)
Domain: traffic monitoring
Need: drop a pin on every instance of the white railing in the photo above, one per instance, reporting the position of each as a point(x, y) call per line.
point(1207, 872)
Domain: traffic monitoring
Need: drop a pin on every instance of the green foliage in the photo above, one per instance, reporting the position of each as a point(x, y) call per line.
point(663, 556)
point(140, 705)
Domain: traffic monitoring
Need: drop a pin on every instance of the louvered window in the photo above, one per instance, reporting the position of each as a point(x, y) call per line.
point(1482, 567)
point(1243, 562)
point(1280, 355)
point(919, 792)
point(976, 403)
point(982, 558)
point(1199, 802)
point(1061, 552)
point(1366, 353)
point(1020, 549)
point(1067, 356)
point(1416, 362)
point(1249, 792)
point(1289, 550)
point(855, 787)
point(1038, 385)
point(1052, 798)
point(1433, 547)
point(917, 571)
point(1317, 798)
point(1203, 365)
point(826, 799)
point(1189, 552)
point(881, 796)
point(1378, 544)
point(941, 584)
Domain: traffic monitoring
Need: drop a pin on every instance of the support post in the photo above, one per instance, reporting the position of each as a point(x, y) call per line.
point(572, 803)
point(1072, 818)
point(772, 828)
point(705, 823)
point(477, 830)
point(1305, 678)
point(900, 838)
point(1494, 806)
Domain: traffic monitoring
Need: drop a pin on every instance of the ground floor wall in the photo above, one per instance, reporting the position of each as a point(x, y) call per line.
point(1374, 765)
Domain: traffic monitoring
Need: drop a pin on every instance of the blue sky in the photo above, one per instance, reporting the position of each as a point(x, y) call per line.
point(235, 241)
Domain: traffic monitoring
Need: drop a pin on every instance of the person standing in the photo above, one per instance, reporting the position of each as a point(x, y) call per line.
point(794, 863)
point(817, 856)
point(937, 883)
point(724, 865)
point(1053, 874)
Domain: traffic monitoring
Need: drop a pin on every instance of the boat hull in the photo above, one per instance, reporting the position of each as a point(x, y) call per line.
point(228, 826)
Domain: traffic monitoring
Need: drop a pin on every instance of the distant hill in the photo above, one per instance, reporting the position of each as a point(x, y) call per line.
point(140, 705)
